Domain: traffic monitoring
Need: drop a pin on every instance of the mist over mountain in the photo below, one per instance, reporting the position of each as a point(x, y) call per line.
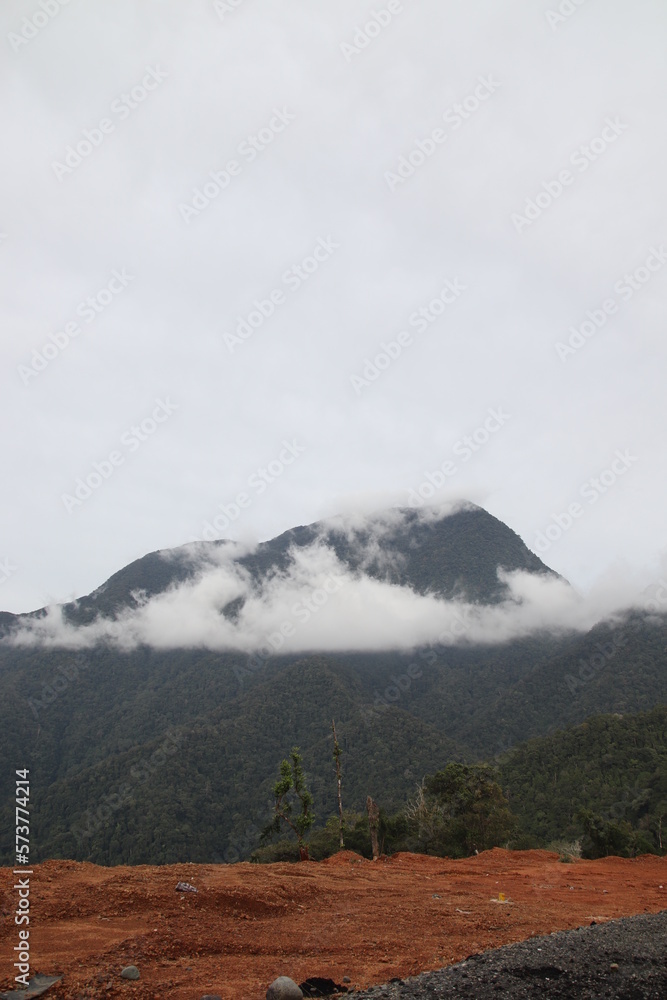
point(395, 580)
point(441, 550)
point(153, 712)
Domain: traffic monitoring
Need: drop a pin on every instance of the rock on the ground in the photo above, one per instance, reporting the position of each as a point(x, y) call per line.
point(284, 988)
point(36, 986)
point(130, 972)
point(316, 986)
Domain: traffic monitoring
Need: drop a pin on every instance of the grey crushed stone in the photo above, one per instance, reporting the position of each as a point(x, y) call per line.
point(566, 964)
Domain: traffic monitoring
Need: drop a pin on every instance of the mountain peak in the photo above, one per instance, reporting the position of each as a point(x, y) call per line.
point(457, 551)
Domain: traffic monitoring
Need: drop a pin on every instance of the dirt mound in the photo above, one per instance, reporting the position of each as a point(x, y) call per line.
point(344, 858)
point(248, 924)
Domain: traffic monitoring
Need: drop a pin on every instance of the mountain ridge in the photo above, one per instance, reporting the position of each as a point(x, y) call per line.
point(420, 550)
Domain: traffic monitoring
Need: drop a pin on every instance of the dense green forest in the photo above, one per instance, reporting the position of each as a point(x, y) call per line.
point(591, 790)
point(212, 795)
point(172, 800)
point(613, 765)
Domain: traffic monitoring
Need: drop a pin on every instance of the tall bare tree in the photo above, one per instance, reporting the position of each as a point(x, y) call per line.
point(373, 810)
point(339, 776)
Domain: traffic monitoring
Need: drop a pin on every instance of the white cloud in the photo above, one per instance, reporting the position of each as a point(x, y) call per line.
point(318, 604)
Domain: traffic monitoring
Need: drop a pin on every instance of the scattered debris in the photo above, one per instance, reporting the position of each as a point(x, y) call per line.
point(185, 887)
point(36, 987)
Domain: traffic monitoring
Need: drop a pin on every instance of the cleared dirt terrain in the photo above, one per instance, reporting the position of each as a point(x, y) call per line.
point(346, 916)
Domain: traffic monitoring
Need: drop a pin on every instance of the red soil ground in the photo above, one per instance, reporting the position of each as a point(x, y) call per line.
point(342, 917)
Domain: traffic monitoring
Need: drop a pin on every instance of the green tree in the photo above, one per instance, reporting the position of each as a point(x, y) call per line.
point(603, 838)
point(292, 779)
point(459, 811)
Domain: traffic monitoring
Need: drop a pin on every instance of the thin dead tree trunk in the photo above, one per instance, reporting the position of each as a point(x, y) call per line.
point(336, 753)
point(373, 810)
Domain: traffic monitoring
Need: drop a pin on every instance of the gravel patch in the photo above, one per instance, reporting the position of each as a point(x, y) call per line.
point(624, 959)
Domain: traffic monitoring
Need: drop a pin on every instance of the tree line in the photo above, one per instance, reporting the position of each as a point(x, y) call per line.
point(467, 808)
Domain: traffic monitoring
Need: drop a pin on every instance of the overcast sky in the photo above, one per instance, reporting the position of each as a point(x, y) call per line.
point(470, 194)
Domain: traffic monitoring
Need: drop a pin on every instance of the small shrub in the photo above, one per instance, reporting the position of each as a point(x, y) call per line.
point(284, 850)
point(568, 851)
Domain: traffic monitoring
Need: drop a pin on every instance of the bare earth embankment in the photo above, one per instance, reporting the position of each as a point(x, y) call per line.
point(248, 924)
